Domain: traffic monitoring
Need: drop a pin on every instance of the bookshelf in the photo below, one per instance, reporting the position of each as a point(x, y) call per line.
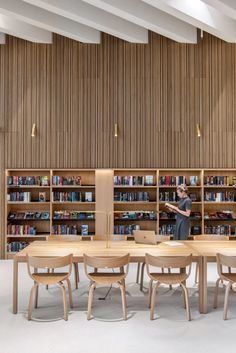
point(134, 198)
point(66, 205)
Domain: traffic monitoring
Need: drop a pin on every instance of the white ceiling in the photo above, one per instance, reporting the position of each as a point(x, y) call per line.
point(130, 20)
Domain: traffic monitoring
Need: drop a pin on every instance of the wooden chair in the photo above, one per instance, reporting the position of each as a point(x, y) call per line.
point(159, 239)
point(230, 262)
point(107, 277)
point(180, 262)
point(46, 278)
point(74, 238)
point(207, 238)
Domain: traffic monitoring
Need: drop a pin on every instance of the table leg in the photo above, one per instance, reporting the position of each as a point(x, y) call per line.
point(202, 285)
point(15, 285)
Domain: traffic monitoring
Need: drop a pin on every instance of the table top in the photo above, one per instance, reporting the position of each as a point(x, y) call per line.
point(118, 248)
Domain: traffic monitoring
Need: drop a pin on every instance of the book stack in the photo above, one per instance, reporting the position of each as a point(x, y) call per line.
point(71, 196)
point(168, 196)
point(131, 196)
point(28, 180)
point(72, 215)
point(225, 196)
point(132, 215)
point(19, 197)
point(69, 180)
point(170, 180)
point(17, 229)
point(126, 229)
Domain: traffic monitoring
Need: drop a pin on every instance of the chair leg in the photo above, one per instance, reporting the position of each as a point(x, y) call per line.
point(186, 301)
point(90, 300)
point(70, 292)
point(30, 306)
point(226, 300)
point(154, 289)
point(36, 296)
point(123, 297)
point(150, 293)
point(76, 272)
point(48, 271)
point(170, 286)
point(142, 275)
point(138, 272)
point(196, 273)
point(183, 292)
point(64, 301)
point(216, 293)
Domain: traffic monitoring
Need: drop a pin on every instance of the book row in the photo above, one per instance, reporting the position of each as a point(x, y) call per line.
point(72, 196)
point(221, 229)
point(220, 180)
point(130, 180)
point(69, 180)
point(16, 246)
point(169, 229)
point(170, 180)
point(28, 215)
point(19, 229)
point(225, 215)
point(126, 229)
point(225, 196)
point(70, 229)
point(28, 180)
point(135, 216)
point(64, 214)
point(131, 196)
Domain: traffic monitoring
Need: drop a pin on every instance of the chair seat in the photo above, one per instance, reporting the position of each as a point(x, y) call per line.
point(49, 278)
point(106, 277)
point(169, 278)
point(229, 277)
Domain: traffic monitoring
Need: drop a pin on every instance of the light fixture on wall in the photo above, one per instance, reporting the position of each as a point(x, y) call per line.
point(116, 130)
point(201, 33)
point(33, 131)
point(198, 131)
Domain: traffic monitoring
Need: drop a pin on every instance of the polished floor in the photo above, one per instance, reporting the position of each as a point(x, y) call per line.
point(107, 332)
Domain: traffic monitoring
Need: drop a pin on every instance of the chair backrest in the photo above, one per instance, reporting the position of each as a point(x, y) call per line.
point(107, 262)
point(145, 237)
point(161, 238)
point(49, 262)
point(225, 260)
point(213, 237)
point(168, 262)
point(64, 238)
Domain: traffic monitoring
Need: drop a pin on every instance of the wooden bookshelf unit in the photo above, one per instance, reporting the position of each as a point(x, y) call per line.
point(43, 202)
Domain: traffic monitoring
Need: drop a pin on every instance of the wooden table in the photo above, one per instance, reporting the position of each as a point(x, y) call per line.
point(98, 248)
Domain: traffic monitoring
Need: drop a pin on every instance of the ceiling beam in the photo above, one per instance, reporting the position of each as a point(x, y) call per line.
point(24, 30)
point(148, 17)
point(199, 15)
point(227, 7)
point(48, 21)
point(88, 15)
point(2, 38)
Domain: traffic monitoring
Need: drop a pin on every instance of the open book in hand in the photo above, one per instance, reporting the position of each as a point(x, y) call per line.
point(169, 205)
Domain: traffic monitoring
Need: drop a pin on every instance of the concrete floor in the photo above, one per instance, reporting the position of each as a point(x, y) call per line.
point(107, 332)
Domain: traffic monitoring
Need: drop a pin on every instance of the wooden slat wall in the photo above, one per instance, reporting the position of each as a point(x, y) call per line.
point(156, 93)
